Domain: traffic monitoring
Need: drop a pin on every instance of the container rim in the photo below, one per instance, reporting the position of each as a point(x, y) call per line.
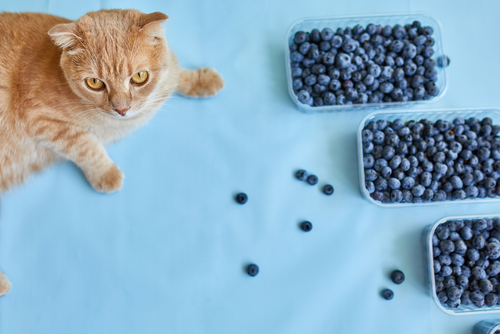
point(368, 106)
point(430, 266)
point(365, 193)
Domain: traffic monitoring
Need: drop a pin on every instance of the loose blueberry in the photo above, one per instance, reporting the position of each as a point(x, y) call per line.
point(241, 198)
point(397, 276)
point(306, 226)
point(387, 294)
point(301, 175)
point(252, 270)
point(312, 179)
point(328, 189)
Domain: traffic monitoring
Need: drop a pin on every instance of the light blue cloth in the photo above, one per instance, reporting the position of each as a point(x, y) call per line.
point(167, 253)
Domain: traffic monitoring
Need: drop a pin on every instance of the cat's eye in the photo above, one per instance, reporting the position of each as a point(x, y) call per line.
point(95, 83)
point(139, 77)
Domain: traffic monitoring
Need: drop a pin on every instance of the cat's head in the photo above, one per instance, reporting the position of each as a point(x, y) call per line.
point(114, 59)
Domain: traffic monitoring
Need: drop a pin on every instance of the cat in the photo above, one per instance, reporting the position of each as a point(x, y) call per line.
point(69, 88)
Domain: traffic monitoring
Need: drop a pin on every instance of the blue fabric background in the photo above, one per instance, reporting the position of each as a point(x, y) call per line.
point(167, 253)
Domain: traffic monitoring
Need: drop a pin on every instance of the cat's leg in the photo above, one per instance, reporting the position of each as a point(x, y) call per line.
point(202, 82)
point(4, 284)
point(84, 149)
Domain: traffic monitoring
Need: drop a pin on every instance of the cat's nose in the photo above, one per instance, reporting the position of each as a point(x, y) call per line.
point(122, 111)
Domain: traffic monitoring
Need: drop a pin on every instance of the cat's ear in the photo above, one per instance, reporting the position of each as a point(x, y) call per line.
point(150, 24)
point(64, 35)
point(149, 19)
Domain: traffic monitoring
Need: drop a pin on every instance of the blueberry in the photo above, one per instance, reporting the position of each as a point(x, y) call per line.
point(454, 293)
point(241, 198)
point(442, 297)
point(336, 41)
point(432, 89)
point(456, 182)
point(493, 250)
point(386, 87)
point(325, 46)
point(329, 98)
point(297, 84)
point(334, 85)
point(446, 271)
point(436, 266)
point(405, 164)
point(368, 160)
point(310, 80)
point(457, 259)
point(462, 281)
point(315, 36)
point(485, 286)
point(417, 81)
point(493, 269)
point(476, 296)
point(319, 89)
point(466, 233)
point(300, 37)
point(399, 76)
point(408, 182)
point(429, 63)
point(478, 242)
point(394, 183)
point(397, 276)
point(418, 190)
point(489, 183)
point(306, 226)
point(296, 72)
point(304, 48)
point(342, 60)
point(312, 179)
point(397, 196)
point(374, 70)
point(447, 246)
point(491, 299)
point(252, 270)
point(479, 224)
point(328, 189)
point(460, 247)
point(303, 96)
point(428, 31)
point(439, 195)
point(410, 68)
point(409, 51)
point(351, 94)
point(381, 184)
point(301, 175)
point(327, 34)
point(387, 294)
point(478, 273)
point(296, 56)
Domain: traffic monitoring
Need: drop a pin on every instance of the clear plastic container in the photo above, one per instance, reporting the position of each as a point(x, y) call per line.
point(487, 327)
point(431, 283)
point(308, 24)
point(431, 115)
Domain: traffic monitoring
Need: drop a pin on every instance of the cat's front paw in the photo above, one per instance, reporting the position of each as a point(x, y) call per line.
point(202, 82)
point(109, 181)
point(4, 285)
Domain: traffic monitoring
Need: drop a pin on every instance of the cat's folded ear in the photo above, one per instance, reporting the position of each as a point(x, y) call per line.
point(150, 24)
point(64, 35)
point(148, 19)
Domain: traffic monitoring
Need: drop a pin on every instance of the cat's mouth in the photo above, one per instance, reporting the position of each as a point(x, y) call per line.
point(130, 113)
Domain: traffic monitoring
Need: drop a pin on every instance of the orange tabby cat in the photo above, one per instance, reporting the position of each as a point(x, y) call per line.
point(70, 88)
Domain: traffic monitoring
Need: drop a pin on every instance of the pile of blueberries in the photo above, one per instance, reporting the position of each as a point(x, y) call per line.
point(364, 65)
point(466, 262)
point(424, 161)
